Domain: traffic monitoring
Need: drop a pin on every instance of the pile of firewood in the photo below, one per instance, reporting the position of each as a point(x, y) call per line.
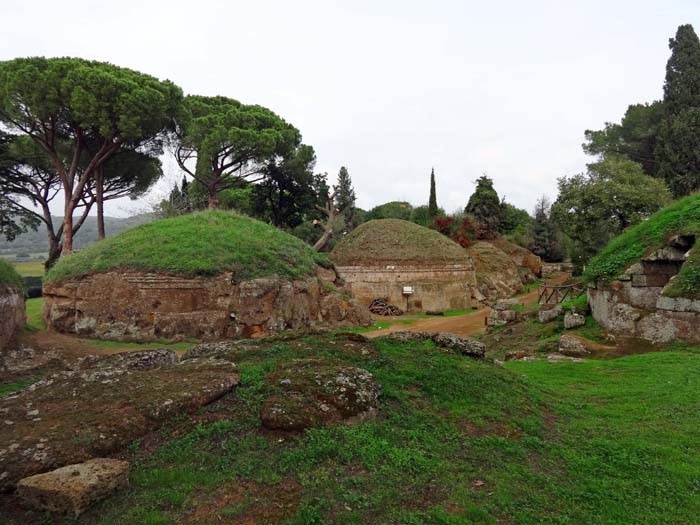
point(381, 306)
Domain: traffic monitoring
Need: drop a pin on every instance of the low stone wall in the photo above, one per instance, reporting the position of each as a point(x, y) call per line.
point(634, 305)
point(139, 306)
point(12, 314)
point(435, 288)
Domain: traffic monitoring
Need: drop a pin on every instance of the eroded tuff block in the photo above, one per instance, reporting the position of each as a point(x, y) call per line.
point(74, 488)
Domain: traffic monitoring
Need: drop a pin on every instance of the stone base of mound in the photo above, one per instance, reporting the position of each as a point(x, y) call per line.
point(12, 314)
point(141, 306)
point(433, 288)
point(635, 304)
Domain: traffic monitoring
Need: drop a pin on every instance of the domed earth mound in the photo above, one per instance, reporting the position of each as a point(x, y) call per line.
point(395, 241)
point(208, 275)
point(646, 282)
point(414, 267)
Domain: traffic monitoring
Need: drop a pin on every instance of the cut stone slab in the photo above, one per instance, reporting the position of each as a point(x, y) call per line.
point(74, 488)
point(549, 315)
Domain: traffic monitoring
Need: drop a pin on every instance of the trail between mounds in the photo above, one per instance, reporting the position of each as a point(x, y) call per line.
point(466, 325)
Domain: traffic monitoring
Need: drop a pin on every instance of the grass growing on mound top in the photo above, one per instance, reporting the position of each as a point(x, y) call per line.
point(9, 276)
point(205, 243)
point(387, 241)
point(681, 217)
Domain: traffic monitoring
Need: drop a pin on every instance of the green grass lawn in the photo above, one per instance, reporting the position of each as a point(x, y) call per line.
point(29, 269)
point(456, 441)
point(34, 319)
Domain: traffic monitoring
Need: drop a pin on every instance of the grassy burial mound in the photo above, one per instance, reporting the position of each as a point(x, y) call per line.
point(646, 282)
point(207, 275)
point(205, 243)
point(382, 257)
point(680, 218)
point(397, 242)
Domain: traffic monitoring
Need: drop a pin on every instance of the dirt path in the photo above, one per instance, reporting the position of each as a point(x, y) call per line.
point(467, 325)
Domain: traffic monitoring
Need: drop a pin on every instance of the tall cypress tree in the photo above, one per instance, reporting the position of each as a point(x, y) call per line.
point(345, 197)
point(432, 201)
point(678, 146)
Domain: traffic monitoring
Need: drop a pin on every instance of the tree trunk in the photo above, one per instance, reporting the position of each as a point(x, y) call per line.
point(99, 199)
point(327, 234)
point(213, 198)
point(54, 254)
point(67, 228)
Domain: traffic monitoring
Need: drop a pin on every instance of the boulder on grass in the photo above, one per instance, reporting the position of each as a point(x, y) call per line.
point(74, 488)
point(311, 392)
point(572, 346)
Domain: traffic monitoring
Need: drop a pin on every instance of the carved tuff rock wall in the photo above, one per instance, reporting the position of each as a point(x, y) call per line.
point(138, 306)
point(634, 305)
point(12, 314)
point(435, 288)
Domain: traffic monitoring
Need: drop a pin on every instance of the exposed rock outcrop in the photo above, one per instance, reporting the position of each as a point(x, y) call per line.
point(136, 306)
point(311, 392)
point(74, 488)
point(529, 264)
point(454, 343)
point(81, 414)
point(497, 276)
point(12, 314)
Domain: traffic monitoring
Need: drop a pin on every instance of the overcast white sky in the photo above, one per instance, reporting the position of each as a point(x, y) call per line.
point(390, 88)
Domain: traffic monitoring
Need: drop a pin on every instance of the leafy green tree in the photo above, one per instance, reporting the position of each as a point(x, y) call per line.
point(75, 109)
point(433, 210)
point(345, 198)
point(546, 238)
point(634, 138)
point(485, 206)
point(593, 208)
point(678, 148)
point(286, 196)
point(421, 215)
point(391, 210)
point(222, 142)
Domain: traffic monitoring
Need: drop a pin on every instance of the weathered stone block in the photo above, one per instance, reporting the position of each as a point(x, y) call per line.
point(573, 321)
point(74, 488)
point(572, 346)
point(547, 315)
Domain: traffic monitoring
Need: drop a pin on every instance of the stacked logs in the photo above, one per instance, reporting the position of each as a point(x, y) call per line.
point(381, 306)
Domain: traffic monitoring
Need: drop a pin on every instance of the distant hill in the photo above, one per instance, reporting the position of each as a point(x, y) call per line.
point(34, 243)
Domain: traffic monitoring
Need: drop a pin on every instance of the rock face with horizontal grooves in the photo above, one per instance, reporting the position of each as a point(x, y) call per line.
point(74, 488)
point(141, 306)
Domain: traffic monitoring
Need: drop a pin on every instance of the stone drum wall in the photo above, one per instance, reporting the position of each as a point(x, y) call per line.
point(139, 306)
point(435, 288)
